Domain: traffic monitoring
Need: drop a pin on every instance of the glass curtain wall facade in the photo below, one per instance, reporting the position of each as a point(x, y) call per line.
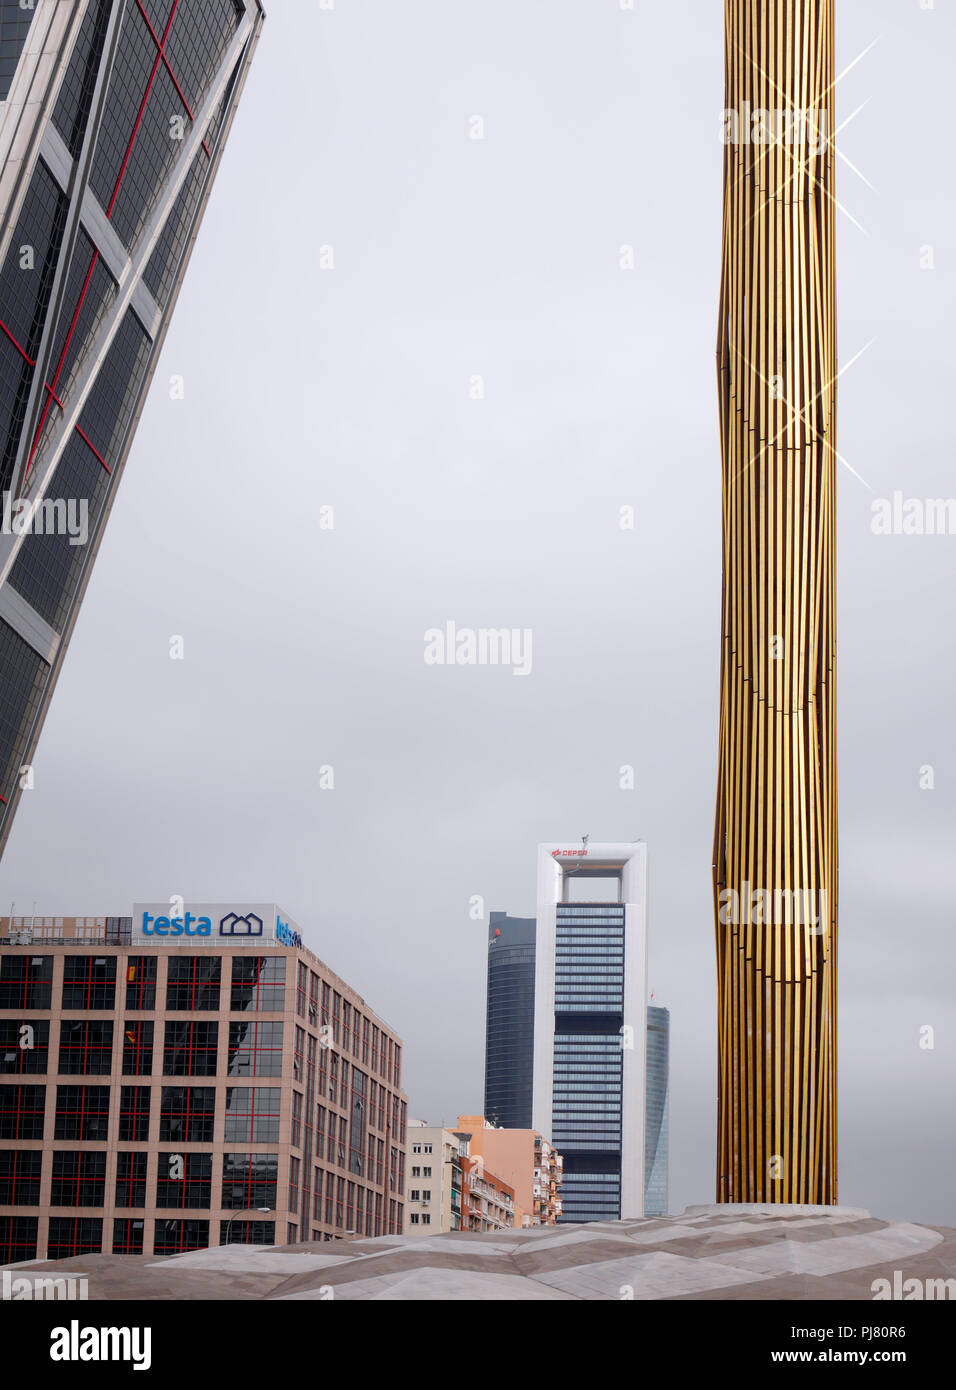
point(588, 1057)
point(509, 1028)
point(113, 118)
point(657, 1101)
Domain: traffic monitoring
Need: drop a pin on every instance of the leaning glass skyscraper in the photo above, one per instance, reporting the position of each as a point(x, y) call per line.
point(113, 118)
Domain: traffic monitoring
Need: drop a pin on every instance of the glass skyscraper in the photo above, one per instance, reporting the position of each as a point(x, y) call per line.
point(509, 1028)
point(656, 1133)
point(113, 118)
point(591, 1024)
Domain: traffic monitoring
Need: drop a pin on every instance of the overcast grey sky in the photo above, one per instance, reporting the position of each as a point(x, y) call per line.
point(351, 388)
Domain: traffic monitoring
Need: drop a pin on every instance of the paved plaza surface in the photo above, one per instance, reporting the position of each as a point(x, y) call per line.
point(710, 1252)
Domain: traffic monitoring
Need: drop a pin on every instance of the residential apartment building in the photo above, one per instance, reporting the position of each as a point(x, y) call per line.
point(433, 1180)
point(525, 1160)
point(178, 1080)
point(488, 1202)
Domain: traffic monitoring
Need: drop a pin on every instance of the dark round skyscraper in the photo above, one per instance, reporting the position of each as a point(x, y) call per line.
point(509, 1031)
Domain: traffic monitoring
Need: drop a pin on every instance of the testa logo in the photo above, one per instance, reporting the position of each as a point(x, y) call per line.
point(234, 925)
point(176, 926)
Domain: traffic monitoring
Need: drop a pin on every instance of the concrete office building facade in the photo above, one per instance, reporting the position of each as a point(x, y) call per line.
point(113, 119)
point(178, 1080)
point(591, 1023)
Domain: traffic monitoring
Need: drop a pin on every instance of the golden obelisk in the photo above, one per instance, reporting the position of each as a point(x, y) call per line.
point(775, 840)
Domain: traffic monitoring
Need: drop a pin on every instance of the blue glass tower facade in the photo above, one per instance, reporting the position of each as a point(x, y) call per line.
point(656, 1129)
point(509, 1027)
point(588, 1057)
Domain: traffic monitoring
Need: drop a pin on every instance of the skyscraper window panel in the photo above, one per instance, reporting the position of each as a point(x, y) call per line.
point(76, 92)
point(47, 567)
point(25, 285)
point(20, 1177)
point(136, 132)
point(159, 275)
point(174, 1237)
point(129, 82)
point(31, 257)
point(162, 128)
point(74, 1235)
point(109, 407)
point(26, 982)
point(184, 1180)
point(15, 23)
point(90, 290)
point(22, 1111)
point(201, 32)
point(16, 1060)
point(22, 674)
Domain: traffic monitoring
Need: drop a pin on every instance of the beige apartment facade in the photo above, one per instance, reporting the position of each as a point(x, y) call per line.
point(171, 1082)
point(525, 1160)
point(433, 1180)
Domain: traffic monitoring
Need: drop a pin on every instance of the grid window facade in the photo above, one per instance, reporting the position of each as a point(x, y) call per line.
point(190, 1049)
point(79, 1178)
point(74, 1235)
point(141, 982)
point(18, 1239)
point(138, 1047)
point(82, 1112)
point(86, 1046)
point(134, 1114)
point(252, 1114)
point(22, 1112)
point(131, 1179)
point(89, 982)
point(258, 984)
point(187, 1114)
point(174, 1236)
point(184, 1180)
point(76, 91)
point(15, 21)
point(128, 1235)
point(193, 983)
point(249, 1180)
point(247, 1233)
point(20, 1171)
point(26, 283)
point(23, 676)
point(135, 75)
point(26, 982)
point(587, 1074)
point(24, 1046)
point(255, 1049)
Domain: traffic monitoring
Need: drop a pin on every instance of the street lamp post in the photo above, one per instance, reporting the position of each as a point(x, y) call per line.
point(265, 1211)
